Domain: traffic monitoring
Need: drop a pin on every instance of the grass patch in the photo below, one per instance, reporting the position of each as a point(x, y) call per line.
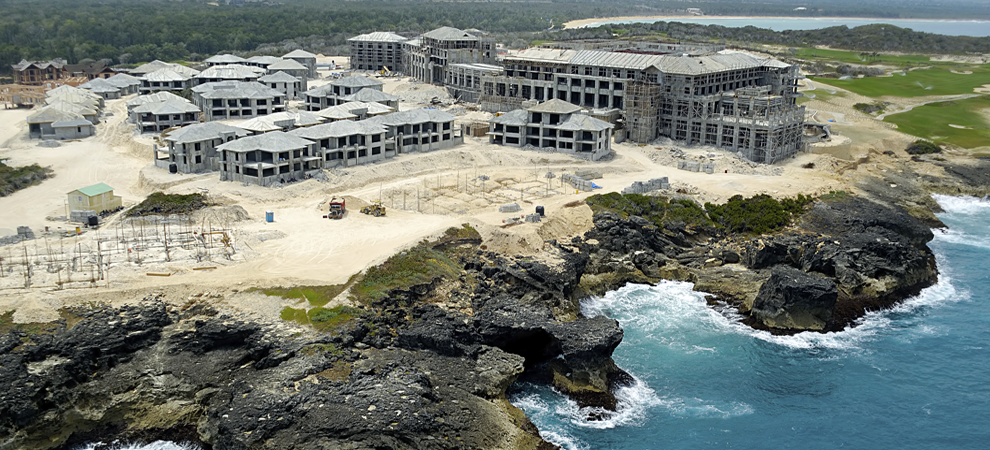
point(320, 318)
point(338, 372)
point(932, 121)
point(465, 231)
point(314, 295)
point(861, 58)
point(658, 210)
point(937, 80)
point(67, 315)
point(834, 196)
point(328, 319)
point(161, 203)
point(418, 265)
point(319, 349)
point(819, 94)
point(13, 179)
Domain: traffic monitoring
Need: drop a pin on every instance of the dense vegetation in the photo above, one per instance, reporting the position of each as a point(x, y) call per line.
point(16, 178)
point(164, 204)
point(923, 147)
point(131, 31)
point(755, 215)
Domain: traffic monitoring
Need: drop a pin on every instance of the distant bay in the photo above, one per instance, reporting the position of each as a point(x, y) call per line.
point(976, 28)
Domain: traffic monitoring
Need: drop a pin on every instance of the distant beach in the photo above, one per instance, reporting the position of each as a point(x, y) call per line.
point(949, 27)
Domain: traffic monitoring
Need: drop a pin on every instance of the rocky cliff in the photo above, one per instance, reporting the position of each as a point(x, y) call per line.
point(425, 367)
point(841, 258)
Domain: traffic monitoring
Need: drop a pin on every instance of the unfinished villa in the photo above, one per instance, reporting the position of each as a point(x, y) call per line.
point(267, 159)
point(354, 88)
point(553, 124)
point(193, 148)
point(237, 100)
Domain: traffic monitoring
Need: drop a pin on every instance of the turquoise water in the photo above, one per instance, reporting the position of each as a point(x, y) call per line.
point(915, 377)
point(946, 27)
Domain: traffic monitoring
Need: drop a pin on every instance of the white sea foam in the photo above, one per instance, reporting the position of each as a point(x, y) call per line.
point(958, 237)
point(965, 205)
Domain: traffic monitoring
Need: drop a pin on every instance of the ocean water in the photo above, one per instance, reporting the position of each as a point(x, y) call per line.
point(914, 377)
point(978, 28)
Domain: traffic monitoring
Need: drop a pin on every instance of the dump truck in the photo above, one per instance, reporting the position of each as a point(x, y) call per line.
point(375, 209)
point(337, 209)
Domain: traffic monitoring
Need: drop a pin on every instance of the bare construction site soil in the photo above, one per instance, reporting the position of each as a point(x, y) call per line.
point(231, 247)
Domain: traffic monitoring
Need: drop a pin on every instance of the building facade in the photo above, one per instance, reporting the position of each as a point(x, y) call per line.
point(237, 100)
point(193, 148)
point(377, 51)
point(268, 159)
point(554, 124)
point(428, 57)
point(339, 91)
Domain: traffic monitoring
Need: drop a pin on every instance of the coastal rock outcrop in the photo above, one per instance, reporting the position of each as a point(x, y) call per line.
point(853, 255)
point(795, 300)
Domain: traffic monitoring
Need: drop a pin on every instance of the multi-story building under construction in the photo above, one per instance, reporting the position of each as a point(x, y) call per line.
point(727, 99)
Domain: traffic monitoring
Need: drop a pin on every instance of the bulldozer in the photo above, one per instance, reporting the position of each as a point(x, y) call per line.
point(375, 209)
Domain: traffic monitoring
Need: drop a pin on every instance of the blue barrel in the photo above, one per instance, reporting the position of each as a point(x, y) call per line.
point(269, 216)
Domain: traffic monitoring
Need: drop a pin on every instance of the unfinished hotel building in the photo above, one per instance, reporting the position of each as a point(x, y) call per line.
point(722, 98)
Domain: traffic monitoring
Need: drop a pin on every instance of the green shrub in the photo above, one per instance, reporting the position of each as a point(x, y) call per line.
point(326, 319)
point(161, 203)
point(418, 265)
point(758, 214)
point(923, 147)
point(314, 295)
point(658, 210)
point(13, 179)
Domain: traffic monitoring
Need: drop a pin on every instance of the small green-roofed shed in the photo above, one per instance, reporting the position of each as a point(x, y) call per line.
point(98, 198)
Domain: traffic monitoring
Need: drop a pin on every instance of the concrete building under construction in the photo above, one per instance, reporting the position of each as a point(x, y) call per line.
point(727, 99)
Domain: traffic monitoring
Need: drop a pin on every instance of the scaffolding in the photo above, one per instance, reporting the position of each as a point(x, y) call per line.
point(642, 111)
point(72, 260)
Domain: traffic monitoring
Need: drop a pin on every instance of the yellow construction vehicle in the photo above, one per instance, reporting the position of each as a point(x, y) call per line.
point(375, 209)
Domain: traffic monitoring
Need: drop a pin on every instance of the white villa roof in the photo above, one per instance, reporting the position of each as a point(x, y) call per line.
point(287, 64)
point(237, 90)
point(66, 91)
point(224, 59)
point(165, 76)
point(276, 141)
point(379, 36)
point(153, 98)
point(450, 34)
point(52, 115)
point(343, 111)
point(555, 106)
point(99, 85)
point(264, 59)
point(636, 61)
point(270, 122)
point(232, 72)
point(299, 54)
point(200, 132)
point(338, 129)
point(73, 123)
point(370, 95)
point(123, 80)
point(355, 81)
point(278, 77)
point(159, 65)
point(411, 117)
point(166, 107)
point(517, 117)
point(581, 122)
point(78, 108)
point(258, 125)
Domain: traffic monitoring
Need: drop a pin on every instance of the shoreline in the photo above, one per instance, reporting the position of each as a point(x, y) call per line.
point(583, 23)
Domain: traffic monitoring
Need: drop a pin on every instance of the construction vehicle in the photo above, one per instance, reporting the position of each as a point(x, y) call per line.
point(384, 72)
point(375, 209)
point(337, 208)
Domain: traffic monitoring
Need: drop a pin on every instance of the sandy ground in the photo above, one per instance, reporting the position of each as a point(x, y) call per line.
point(425, 193)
